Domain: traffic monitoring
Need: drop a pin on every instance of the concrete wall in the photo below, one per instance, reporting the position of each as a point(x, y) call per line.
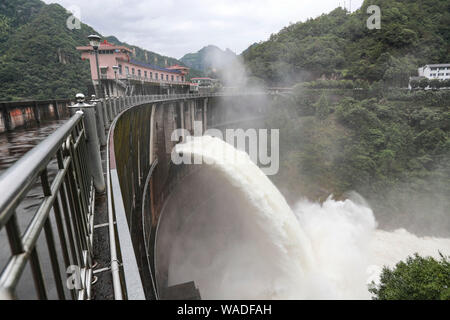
point(29, 113)
point(142, 136)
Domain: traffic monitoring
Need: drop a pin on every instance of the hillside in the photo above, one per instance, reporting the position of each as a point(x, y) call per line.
point(339, 45)
point(38, 59)
point(209, 59)
point(393, 150)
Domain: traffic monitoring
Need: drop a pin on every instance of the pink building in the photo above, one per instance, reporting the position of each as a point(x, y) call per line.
point(110, 55)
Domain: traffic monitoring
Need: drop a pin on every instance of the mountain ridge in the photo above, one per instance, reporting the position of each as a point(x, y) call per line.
point(209, 59)
point(38, 56)
point(339, 45)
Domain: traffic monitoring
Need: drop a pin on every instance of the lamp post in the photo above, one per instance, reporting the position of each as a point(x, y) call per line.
point(94, 41)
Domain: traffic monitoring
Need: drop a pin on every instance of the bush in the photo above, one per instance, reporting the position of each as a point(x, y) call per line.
point(435, 84)
point(424, 83)
point(335, 84)
point(416, 279)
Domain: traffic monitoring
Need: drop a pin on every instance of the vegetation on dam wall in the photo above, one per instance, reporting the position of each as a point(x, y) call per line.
point(393, 150)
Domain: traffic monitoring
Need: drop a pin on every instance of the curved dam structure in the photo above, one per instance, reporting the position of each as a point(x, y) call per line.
point(146, 185)
point(243, 219)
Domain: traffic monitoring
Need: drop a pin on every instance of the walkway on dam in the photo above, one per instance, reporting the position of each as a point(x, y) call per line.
point(66, 176)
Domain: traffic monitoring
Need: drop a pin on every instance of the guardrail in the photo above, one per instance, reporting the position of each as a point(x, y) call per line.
point(19, 113)
point(129, 174)
point(151, 80)
point(69, 200)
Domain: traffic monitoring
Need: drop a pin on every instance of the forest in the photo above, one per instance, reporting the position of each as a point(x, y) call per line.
point(391, 147)
point(38, 56)
point(339, 45)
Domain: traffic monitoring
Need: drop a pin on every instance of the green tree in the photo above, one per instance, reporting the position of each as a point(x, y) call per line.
point(435, 84)
point(424, 83)
point(322, 107)
point(414, 84)
point(416, 279)
point(338, 45)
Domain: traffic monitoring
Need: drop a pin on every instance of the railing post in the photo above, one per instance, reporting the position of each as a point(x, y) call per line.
point(6, 118)
point(113, 105)
point(110, 111)
point(99, 118)
point(104, 112)
point(94, 162)
point(37, 112)
point(55, 103)
point(204, 116)
point(116, 105)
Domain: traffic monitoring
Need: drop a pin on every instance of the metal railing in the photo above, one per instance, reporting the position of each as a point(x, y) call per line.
point(152, 80)
point(20, 113)
point(127, 172)
point(68, 199)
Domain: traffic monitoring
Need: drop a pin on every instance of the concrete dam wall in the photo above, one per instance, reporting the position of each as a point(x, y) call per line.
point(152, 188)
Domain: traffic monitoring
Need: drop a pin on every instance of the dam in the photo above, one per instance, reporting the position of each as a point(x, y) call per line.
point(99, 209)
point(129, 139)
point(114, 218)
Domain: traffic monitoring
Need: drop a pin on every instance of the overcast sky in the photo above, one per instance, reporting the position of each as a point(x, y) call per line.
point(177, 27)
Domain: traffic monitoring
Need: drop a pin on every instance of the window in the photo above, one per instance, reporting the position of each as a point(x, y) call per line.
point(162, 76)
point(167, 77)
point(127, 70)
point(132, 71)
point(145, 74)
point(156, 75)
point(440, 74)
point(433, 69)
point(139, 73)
point(178, 78)
point(172, 77)
point(120, 69)
point(151, 75)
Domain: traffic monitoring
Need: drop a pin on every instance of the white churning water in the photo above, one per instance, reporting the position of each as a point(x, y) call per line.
point(269, 251)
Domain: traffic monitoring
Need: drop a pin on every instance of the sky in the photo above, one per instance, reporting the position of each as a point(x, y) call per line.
point(177, 27)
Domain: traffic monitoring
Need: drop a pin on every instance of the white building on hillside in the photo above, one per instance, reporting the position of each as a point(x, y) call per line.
point(435, 71)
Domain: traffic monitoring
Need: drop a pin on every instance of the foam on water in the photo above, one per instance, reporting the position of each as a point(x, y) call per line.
point(316, 251)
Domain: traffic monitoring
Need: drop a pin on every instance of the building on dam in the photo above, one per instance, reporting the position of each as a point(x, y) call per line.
point(122, 74)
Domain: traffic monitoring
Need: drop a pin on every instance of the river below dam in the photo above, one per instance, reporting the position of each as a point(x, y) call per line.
point(256, 247)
